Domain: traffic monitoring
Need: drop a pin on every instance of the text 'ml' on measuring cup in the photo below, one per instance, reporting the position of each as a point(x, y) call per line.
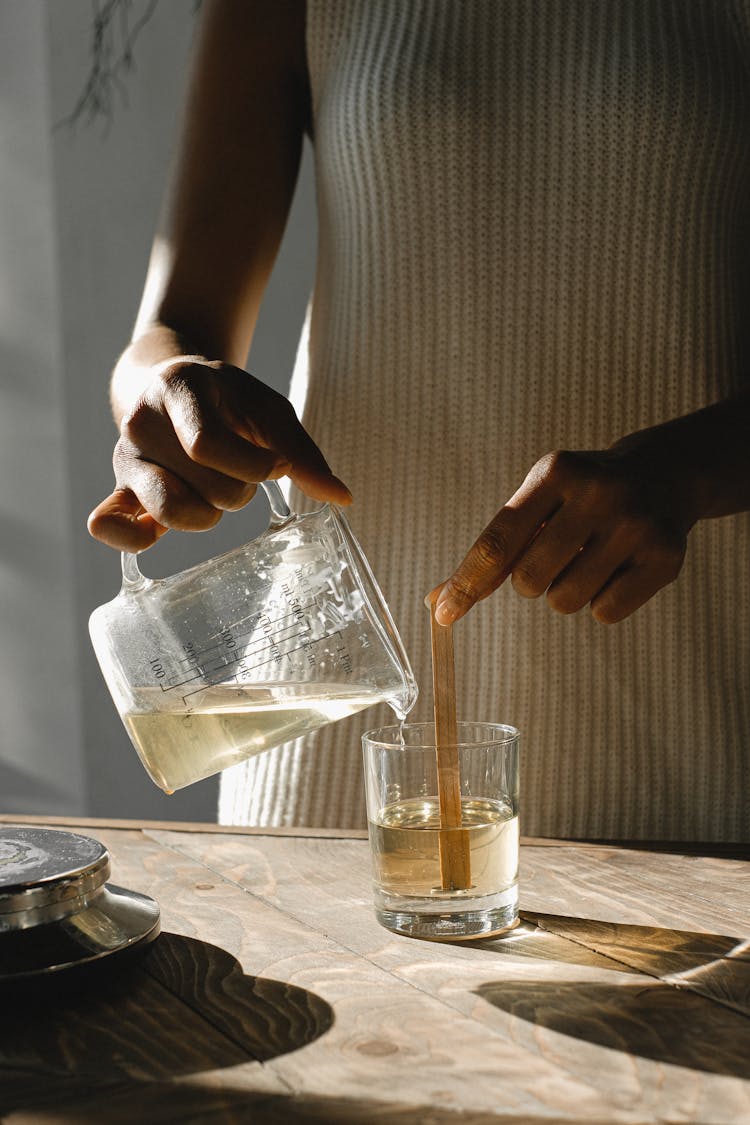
point(250, 649)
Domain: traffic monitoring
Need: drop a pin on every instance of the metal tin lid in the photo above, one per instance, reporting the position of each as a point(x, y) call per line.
point(56, 909)
point(46, 875)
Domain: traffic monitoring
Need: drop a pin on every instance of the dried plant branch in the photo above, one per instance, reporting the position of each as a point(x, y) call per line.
point(113, 36)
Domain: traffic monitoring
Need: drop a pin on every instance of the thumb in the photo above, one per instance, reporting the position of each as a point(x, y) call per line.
point(123, 523)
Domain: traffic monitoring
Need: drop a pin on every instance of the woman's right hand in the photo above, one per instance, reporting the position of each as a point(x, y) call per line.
point(196, 433)
point(197, 439)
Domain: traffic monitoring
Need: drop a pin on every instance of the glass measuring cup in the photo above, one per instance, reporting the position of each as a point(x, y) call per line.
point(250, 649)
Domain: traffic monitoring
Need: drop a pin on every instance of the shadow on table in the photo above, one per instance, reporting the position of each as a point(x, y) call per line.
point(184, 1104)
point(184, 1008)
point(691, 1012)
point(653, 950)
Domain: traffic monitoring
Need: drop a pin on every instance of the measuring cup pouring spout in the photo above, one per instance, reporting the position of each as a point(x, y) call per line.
point(249, 649)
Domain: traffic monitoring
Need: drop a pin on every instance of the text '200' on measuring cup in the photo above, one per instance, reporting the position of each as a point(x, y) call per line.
point(250, 649)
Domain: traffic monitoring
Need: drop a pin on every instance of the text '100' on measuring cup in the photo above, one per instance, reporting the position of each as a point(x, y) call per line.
point(250, 649)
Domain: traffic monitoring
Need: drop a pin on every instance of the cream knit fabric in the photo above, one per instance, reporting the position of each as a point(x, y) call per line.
point(533, 235)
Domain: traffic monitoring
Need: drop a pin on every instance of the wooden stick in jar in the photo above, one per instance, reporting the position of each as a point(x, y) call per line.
point(455, 858)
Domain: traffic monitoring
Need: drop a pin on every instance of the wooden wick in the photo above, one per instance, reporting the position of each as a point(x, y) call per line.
point(455, 861)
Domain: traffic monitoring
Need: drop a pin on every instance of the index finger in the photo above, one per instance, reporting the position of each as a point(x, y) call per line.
point(491, 558)
point(206, 439)
point(274, 425)
point(310, 471)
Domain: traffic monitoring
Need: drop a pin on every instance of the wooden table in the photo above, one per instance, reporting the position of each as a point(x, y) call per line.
point(274, 996)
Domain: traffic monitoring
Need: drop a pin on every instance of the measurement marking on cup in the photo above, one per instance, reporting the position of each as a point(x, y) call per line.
point(220, 665)
point(201, 666)
point(196, 691)
point(344, 656)
point(202, 653)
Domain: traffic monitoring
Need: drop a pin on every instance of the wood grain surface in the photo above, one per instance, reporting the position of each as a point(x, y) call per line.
point(274, 996)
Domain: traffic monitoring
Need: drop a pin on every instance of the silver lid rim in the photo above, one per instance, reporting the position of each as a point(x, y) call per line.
point(55, 898)
point(30, 916)
point(132, 921)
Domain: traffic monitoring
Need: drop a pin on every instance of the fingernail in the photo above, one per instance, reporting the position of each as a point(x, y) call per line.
point(447, 611)
point(342, 486)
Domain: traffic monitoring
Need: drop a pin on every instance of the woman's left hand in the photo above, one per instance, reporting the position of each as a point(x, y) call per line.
point(605, 528)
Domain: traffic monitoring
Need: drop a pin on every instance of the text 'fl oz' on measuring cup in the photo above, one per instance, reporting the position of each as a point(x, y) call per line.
point(250, 649)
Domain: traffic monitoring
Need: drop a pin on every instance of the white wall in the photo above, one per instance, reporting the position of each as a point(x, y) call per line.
point(41, 753)
point(90, 197)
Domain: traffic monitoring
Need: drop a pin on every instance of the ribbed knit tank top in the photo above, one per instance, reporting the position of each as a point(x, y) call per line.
point(533, 235)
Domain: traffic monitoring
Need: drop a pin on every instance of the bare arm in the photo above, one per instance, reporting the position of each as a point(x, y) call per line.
point(196, 431)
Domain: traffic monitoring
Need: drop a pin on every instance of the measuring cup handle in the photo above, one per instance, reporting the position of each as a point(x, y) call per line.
point(280, 513)
point(131, 573)
point(280, 510)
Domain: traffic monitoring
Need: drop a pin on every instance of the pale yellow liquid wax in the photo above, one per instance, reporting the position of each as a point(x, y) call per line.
point(406, 859)
point(230, 724)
